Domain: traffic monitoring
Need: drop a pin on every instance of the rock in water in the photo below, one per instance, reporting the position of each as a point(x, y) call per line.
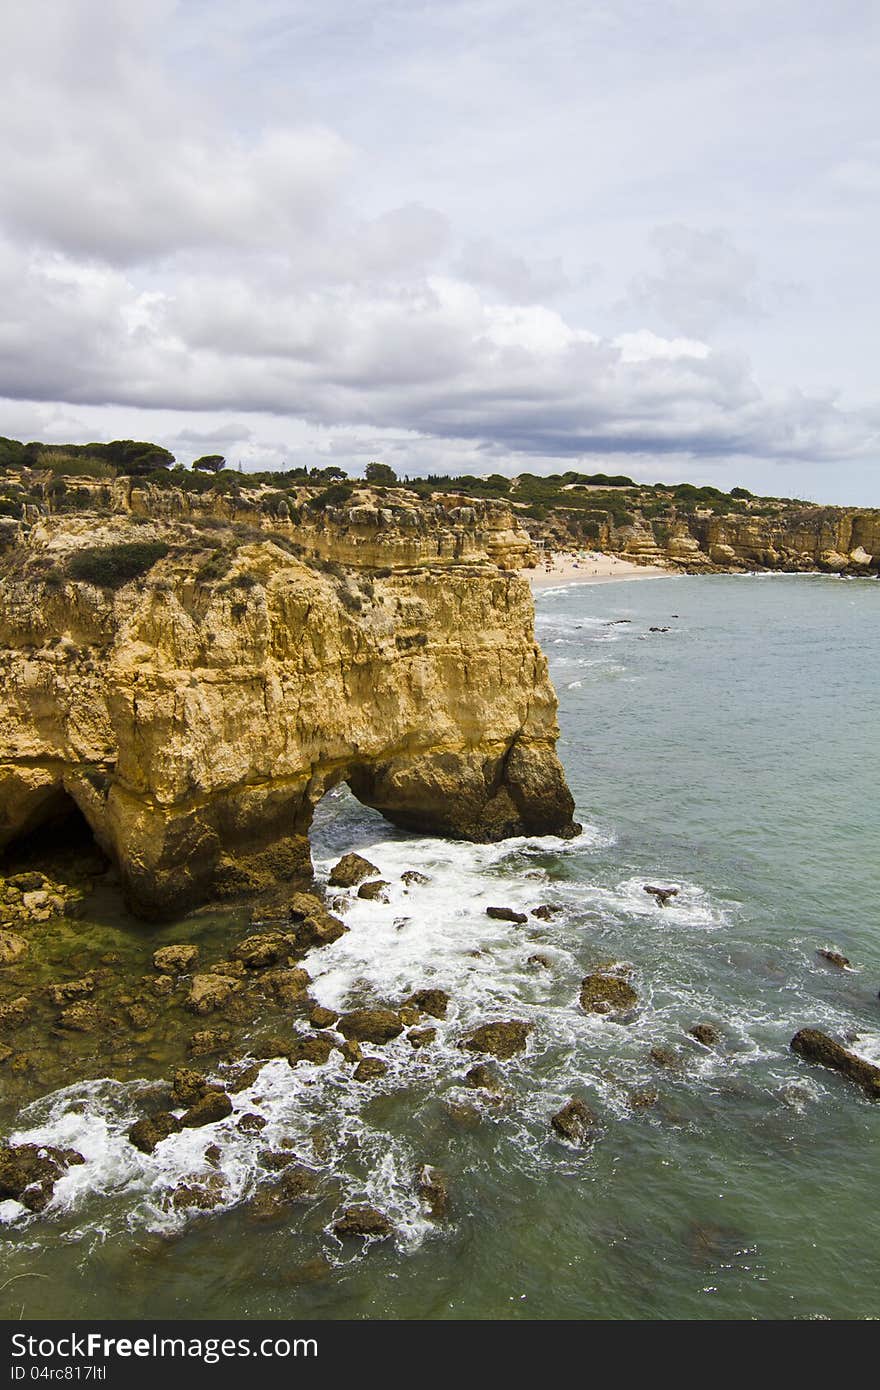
point(363, 1221)
point(834, 958)
point(816, 1046)
point(351, 870)
point(430, 1001)
point(175, 960)
point(506, 914)
point(370, 1025)
point(607, 994)
point(575, 1122)
point(502, 1040)
point(214, 1106)
point(661, 894)
point(28, 1172)
point(433, 1191)
point(12, 947)
point(705, 1033)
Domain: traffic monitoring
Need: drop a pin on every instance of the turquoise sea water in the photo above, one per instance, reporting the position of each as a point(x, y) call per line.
point(734, 756)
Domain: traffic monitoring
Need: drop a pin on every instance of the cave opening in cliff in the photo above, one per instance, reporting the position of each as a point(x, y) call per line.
point(57, 832)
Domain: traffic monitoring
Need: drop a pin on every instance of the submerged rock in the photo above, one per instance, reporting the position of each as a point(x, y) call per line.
point(175, 960)
point(607, 994)
point(208, 1040)
point(501, 1040)
point(296, 1184)
point(251, 1123)
point(12, 947)
point(363, 1221)
point(483, 1078)
point(705, 1033)
point(816, 1046)
point(82, 1018)
point(351, 870)
point(15, 1013)
point(665, 1057)
point(643, 1099)
point(575, 1122)
point(371, 1025)
point(70, 990)
point(506, 914)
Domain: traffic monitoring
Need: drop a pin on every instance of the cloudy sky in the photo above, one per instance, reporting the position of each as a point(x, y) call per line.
point(455, 235)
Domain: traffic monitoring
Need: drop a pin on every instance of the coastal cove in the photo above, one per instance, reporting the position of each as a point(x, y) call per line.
point(724, 752)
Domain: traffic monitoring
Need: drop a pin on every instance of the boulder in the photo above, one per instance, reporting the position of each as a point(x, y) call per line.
point(310, 1047)
point(12, 947)
point(421, 1037)
point(187, 1086)
point(322, 1018)
point(501, 1040)
point(175, 960)
point(264, 948)
point(209, 993)
point(545, 912)
point(370, 1069)
point(287, 985)
point(430, 1001)
point(816, 1046)
point(370, 1025)
point(145, 1134)
point(28, 1172)
point(575, 1122)
point(351, 870)
point(251, 1123)
point(363, 1221)
point(506, 914)
point(213, 1106)
point(374, 891)
point(607, 994)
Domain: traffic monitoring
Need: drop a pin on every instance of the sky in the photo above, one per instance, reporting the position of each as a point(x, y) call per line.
point(458, 236)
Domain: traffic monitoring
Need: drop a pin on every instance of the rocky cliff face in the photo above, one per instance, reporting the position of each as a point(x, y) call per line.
point(834, 539)
point(197, 713)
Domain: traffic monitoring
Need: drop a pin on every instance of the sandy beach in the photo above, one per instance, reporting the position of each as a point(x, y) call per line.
point(586, 567)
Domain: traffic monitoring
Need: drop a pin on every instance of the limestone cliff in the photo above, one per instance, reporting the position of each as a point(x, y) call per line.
point(197, 713)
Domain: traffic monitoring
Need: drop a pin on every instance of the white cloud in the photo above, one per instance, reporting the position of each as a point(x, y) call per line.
point(357, 228)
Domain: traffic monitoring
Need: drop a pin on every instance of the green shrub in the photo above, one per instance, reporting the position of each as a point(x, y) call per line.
point(72, 465)
point(110, 566)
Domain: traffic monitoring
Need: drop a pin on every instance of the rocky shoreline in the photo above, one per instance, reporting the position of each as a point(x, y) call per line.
point(204, 1022)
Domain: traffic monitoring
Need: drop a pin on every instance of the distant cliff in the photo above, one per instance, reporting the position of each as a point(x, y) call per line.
point(195, 674)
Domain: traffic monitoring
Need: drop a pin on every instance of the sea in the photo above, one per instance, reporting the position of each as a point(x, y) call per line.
point(720, 736)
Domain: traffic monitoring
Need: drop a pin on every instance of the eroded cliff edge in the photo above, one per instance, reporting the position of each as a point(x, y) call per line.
point(198, 712)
